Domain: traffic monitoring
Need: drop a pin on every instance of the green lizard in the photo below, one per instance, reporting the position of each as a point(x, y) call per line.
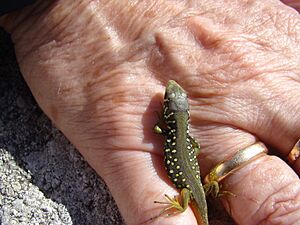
point(180, 154)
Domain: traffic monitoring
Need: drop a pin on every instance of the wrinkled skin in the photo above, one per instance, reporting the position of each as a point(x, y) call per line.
point(98, 70)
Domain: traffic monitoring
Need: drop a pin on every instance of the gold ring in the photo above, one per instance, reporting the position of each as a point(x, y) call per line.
point(238, 160)
point(294, 153)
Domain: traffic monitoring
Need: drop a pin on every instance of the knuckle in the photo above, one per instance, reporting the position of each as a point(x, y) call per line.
point(282, 207)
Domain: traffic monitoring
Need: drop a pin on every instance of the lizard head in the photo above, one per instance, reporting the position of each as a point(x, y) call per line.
point(175, 97)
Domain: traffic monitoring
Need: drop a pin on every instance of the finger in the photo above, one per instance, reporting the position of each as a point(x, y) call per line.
point(267, 190)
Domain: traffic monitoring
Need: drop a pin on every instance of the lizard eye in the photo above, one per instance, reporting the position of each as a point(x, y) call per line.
point(172, 95)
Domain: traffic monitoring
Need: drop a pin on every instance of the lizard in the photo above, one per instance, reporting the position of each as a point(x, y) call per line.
point(180, 155)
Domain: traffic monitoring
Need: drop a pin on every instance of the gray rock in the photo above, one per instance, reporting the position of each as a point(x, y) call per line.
point(43, 179)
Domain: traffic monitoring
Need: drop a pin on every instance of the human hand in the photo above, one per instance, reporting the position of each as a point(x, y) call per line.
point(98, 70)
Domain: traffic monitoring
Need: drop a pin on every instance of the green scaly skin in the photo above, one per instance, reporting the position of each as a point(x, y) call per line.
point(180, 154)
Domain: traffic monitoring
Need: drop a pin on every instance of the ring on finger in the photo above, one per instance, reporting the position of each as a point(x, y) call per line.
point(294, 153)
point(238, 160)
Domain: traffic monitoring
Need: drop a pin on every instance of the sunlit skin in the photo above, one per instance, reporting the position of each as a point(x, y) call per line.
point(98, 70)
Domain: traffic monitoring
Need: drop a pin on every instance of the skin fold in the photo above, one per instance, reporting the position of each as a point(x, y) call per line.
point(98, 69)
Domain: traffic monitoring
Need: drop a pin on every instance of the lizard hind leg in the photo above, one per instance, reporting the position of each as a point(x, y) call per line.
point(178, 204)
